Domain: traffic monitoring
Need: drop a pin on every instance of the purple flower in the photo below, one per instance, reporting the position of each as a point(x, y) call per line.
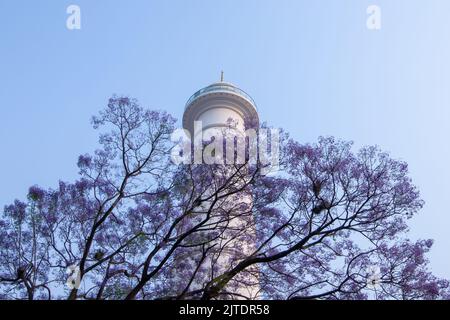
point(36, 193)
point(84, 161)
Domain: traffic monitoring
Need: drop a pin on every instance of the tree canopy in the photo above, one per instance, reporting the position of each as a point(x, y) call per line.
point(332, 224)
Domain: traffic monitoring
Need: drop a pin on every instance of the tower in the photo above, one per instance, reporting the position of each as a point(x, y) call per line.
point(216, 106)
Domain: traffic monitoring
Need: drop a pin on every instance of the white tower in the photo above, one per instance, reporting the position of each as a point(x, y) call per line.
point(215, 105)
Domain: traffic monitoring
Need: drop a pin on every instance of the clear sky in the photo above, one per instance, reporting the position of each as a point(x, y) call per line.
point(312, 66)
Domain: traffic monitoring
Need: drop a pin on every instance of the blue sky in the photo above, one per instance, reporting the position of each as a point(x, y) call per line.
point(312, 66)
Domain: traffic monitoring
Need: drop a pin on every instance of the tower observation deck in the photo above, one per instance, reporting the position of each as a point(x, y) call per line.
point(215, 104)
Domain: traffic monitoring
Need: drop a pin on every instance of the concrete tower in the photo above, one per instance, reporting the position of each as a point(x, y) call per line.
point(215, 105)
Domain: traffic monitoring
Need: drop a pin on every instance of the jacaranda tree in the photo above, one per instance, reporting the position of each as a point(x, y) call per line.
point(331, 224)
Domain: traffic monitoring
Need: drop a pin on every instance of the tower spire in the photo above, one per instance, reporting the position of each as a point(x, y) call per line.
point(221, 76)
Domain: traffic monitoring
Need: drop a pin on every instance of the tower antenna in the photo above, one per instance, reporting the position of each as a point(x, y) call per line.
point(221, 76)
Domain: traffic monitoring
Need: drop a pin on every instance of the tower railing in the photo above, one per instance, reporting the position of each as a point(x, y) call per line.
point(220, 88)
